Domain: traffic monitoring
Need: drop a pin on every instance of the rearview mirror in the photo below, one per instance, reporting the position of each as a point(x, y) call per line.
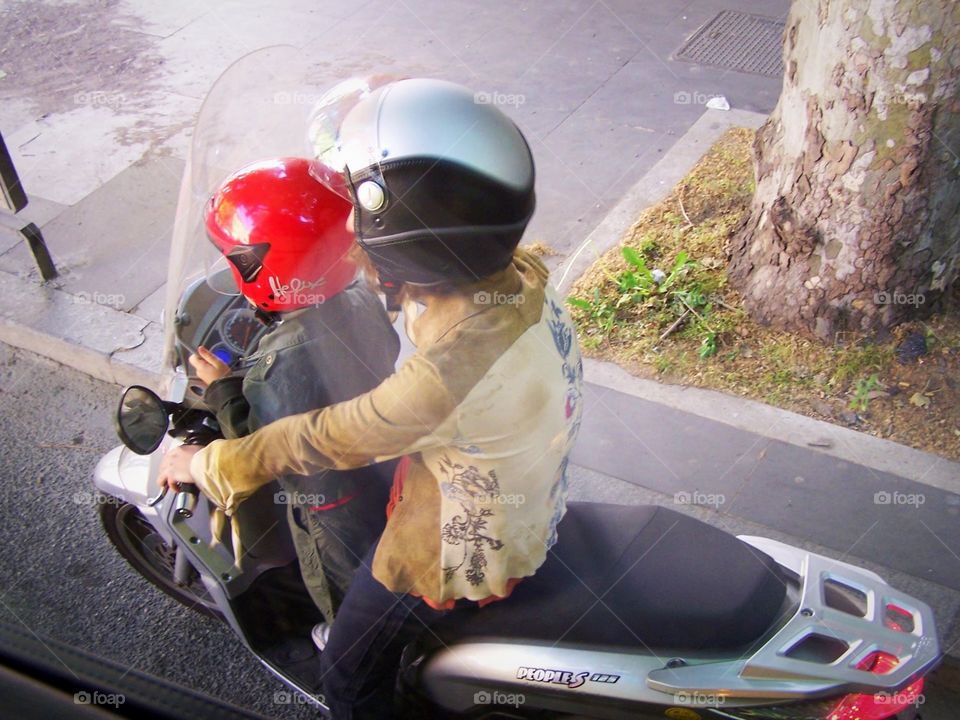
point(141, 419)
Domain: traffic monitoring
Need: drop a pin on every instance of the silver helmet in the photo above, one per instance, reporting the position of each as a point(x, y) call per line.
point(441, 182)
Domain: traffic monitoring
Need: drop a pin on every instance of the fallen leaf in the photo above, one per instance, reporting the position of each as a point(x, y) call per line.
point(919, 400)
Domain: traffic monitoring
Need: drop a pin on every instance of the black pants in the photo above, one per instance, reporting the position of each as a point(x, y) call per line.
point(360, 662)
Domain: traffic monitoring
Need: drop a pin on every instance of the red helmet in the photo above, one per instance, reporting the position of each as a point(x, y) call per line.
point(284, 234)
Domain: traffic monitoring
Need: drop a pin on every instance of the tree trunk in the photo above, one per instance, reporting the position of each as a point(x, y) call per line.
point(854, 221)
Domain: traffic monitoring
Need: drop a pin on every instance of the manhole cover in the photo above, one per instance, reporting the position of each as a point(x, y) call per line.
point(738, 41)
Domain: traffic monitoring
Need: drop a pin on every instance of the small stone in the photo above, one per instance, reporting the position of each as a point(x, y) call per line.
point(821, 443)
point(913, 347)
point(850, 417)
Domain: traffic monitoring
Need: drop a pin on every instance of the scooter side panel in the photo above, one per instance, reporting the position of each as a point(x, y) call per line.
point(523, 677)
point(125, 475)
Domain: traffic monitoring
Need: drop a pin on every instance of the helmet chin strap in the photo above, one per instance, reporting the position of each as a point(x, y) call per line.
point(388, 286)
point(266, 317)
point(391, 292)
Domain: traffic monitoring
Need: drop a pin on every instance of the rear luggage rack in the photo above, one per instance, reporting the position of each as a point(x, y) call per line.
point(845, 615)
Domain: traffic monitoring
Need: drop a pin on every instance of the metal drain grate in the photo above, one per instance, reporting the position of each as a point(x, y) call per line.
point(738, 41)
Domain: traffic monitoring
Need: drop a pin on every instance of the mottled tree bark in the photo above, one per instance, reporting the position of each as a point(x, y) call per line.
point(854, 221)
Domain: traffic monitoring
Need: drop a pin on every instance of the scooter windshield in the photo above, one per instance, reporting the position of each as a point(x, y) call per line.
point(257, 110)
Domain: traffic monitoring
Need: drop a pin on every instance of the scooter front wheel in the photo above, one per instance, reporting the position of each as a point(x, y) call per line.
point(143, 547)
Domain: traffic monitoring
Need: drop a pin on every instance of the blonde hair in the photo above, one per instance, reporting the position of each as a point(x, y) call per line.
point(366, 268)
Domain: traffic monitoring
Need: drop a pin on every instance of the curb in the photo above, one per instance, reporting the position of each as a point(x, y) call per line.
point(107, 344)
point(785, 425)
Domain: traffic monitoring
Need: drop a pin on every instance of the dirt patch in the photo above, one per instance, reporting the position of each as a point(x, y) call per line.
point(659, 305)
point(61, 56)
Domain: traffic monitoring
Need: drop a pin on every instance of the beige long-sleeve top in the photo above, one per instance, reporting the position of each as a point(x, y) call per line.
point(487, 409)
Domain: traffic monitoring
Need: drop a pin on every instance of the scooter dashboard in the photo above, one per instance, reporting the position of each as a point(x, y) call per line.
point(225, 324)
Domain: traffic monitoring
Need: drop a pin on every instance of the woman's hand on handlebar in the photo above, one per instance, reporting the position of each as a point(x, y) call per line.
point(175, 466)
point(208, 366)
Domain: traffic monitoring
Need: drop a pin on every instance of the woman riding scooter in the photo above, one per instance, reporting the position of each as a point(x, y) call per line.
point(484, 414)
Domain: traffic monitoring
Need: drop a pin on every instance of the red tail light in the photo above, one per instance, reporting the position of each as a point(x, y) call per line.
point(896, 618)
point(880, 706)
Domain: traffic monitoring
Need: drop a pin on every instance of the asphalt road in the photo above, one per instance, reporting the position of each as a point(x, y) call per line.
point(60, 576)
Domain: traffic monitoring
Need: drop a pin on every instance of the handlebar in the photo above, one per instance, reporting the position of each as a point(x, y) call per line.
point(187, 493)
point(186, 498)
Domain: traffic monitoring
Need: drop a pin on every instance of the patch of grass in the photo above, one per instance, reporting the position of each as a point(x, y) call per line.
point(862, 394)
point(659, 304)
point(664, 292)
point(851, 363)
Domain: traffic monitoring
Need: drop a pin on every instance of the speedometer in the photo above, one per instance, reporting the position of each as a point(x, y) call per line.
point(238, 329)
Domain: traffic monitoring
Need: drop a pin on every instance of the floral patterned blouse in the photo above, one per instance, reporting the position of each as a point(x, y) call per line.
point(487, 410)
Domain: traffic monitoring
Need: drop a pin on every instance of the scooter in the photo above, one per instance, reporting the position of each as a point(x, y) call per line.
point(639, 612)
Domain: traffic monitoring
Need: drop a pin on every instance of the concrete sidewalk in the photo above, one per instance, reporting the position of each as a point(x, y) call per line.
point(99, 131)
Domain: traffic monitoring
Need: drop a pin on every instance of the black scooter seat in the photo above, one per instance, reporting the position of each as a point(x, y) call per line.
point(635, 576)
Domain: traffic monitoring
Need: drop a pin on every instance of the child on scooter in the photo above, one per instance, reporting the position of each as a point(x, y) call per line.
point(329, 340)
